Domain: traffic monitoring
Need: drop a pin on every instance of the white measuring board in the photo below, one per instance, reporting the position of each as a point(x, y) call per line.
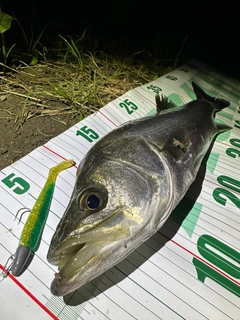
point(190, 269)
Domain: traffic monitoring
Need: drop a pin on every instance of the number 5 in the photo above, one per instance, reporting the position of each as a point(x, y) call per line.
point(17, 184)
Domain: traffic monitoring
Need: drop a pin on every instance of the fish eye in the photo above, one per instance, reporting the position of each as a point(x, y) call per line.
point(93, 199)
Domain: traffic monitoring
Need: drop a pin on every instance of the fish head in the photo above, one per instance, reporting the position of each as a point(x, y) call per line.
point(111, 212)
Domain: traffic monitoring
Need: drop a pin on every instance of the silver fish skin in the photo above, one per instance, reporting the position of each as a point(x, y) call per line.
point(128, 184)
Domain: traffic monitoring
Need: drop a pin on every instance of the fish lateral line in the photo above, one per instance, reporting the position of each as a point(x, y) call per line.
point(31, 235)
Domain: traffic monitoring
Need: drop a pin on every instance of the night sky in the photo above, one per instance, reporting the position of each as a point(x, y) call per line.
point(209, 34)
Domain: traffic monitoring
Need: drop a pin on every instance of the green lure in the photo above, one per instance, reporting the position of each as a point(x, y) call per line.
point(32, 232)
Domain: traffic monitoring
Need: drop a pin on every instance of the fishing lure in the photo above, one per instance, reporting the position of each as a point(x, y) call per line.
point(32, 232)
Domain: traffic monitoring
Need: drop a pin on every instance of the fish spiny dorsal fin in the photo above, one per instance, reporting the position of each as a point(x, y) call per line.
point(162, 103)
point(218, 103)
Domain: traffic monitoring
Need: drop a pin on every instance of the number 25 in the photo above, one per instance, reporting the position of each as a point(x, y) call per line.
point(128, 105)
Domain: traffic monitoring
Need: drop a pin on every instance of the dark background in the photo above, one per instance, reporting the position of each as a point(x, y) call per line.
point(209, 34)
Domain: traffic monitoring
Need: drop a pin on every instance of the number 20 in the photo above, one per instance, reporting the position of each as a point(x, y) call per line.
point(230, 183)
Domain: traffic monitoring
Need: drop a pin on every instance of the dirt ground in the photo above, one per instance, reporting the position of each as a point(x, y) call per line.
point(17, 142)
point(31, 113)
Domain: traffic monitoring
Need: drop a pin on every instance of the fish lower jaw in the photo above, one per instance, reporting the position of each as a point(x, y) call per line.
point(80, 255)
point(80, 269)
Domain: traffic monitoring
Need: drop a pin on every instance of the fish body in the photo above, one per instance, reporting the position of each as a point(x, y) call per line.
point(128, 184)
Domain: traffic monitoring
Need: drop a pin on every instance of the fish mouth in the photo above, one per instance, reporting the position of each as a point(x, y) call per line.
point(80, 269)
point(80, 256)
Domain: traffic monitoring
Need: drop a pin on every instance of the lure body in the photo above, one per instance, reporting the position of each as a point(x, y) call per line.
point(31, 235)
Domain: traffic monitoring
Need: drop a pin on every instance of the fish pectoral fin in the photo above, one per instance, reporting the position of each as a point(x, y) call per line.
point(162, 103)
point(178, 144)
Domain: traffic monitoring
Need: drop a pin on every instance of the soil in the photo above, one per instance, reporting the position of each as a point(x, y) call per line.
point(30, 116)
point(16, 142)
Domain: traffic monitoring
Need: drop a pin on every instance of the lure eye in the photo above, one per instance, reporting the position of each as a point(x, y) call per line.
point(93, 200)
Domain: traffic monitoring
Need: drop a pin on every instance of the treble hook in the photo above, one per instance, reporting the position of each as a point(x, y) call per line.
point(26, 210)
point(7, 269)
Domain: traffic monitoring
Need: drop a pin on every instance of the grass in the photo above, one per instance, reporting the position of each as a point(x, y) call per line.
point(80, 81)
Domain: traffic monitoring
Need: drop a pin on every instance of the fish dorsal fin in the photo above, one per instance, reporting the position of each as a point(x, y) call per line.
point(178, 144)
point(218, 103)
point(162, 103)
